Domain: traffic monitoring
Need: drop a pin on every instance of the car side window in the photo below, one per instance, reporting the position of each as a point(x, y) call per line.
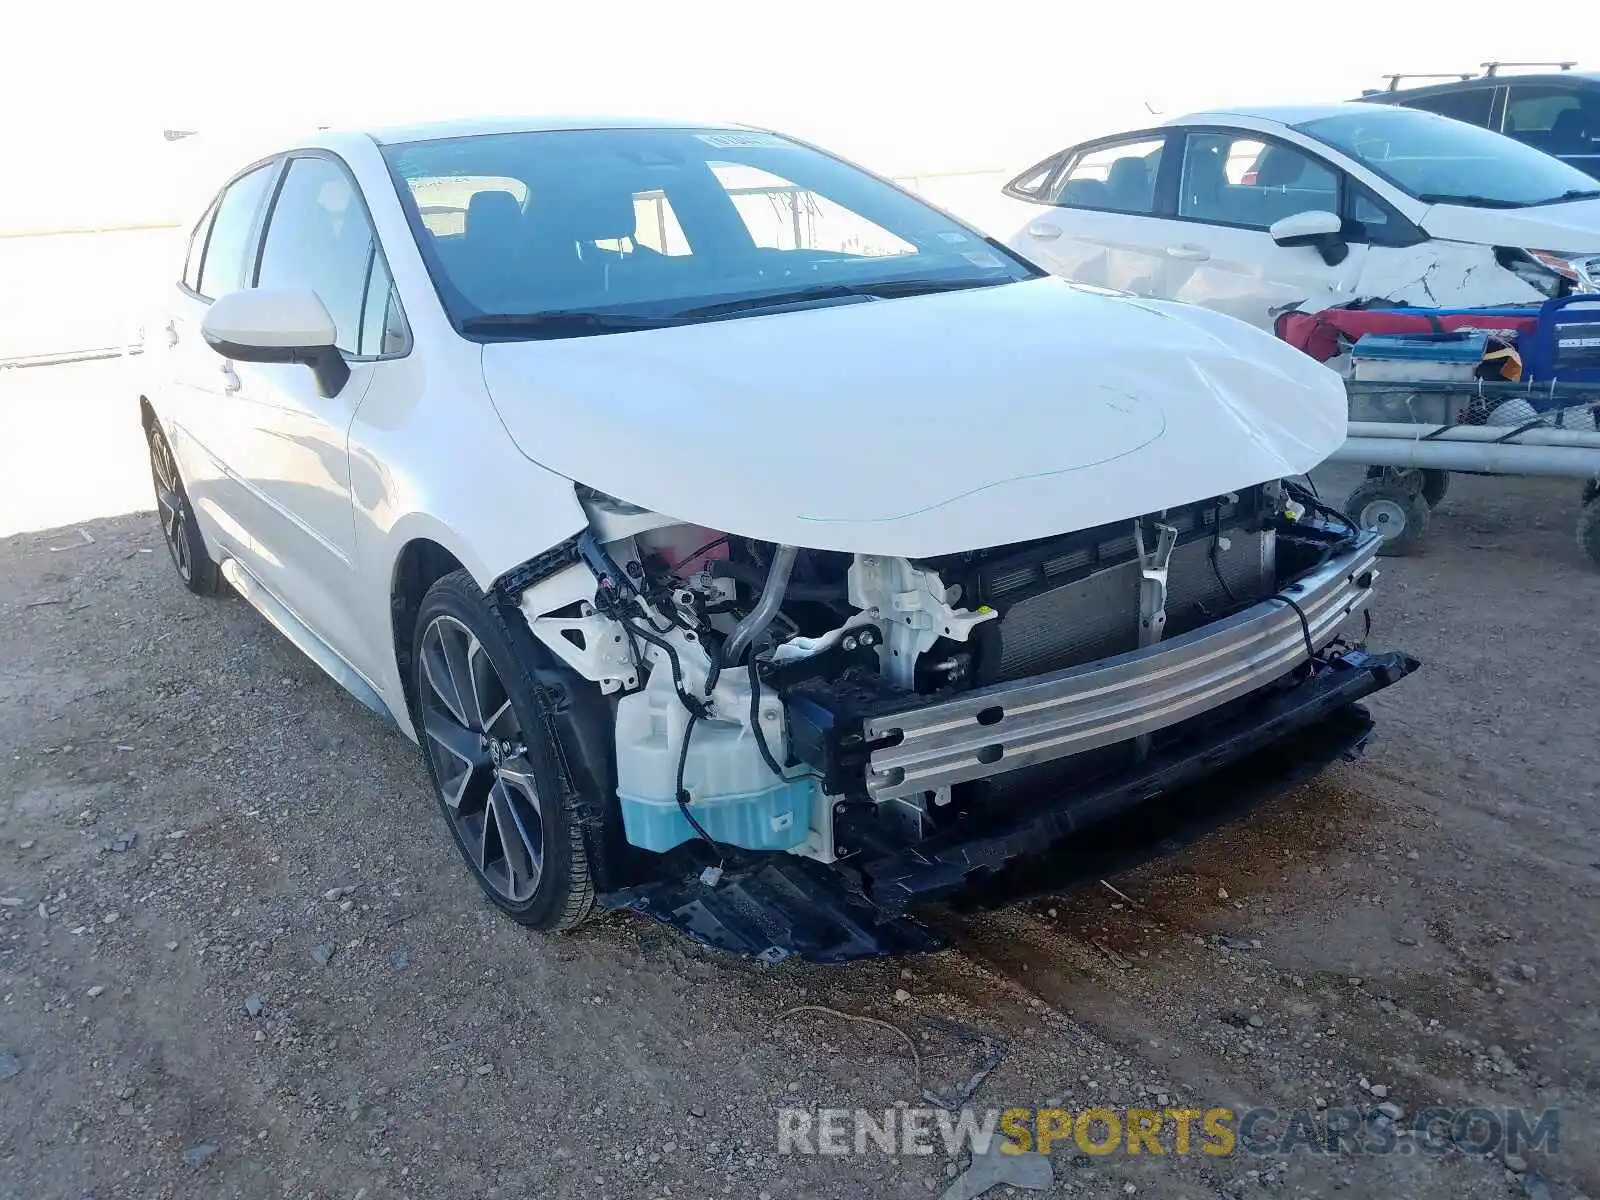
point(197, 249)
point(383, 326)
point(222, 264)
point(1370, 220)
point(1552, 118)
point(318, 237)
point(1238, 179)
point(1117, 178)
point(1030, 185)
point(1472, 105)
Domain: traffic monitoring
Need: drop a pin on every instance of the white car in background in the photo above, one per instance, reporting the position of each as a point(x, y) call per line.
point(1254, 211)
point(715, 513)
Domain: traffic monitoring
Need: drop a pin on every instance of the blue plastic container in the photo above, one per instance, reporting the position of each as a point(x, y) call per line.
point(1417, 356)
point(776, 819)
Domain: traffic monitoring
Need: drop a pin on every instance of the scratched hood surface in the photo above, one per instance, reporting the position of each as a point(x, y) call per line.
point(923, 425)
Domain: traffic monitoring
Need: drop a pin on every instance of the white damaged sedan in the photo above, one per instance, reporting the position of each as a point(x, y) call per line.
point(745, 541)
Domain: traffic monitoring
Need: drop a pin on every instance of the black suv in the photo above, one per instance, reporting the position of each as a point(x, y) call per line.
point(1558, 112)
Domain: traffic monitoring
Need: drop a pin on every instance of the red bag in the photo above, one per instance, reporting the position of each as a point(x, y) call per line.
point(1319, 334)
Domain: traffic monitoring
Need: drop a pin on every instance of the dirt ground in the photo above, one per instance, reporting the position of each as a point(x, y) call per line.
point(239, 956)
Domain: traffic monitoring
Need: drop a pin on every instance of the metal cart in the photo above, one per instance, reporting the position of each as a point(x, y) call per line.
point(1411, 435)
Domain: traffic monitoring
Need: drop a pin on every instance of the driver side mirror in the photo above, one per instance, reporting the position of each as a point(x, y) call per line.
point(1318, 228)
point(271, 325)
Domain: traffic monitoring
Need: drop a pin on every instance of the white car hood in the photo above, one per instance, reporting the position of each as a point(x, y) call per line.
point(922, 425)
point(1574, 227)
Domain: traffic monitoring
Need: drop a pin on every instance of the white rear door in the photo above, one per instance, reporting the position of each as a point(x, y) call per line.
point(1095, 219)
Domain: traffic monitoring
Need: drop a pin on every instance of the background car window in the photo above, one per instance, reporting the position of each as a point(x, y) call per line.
point(1031, 183)
point(1472, 105)
point(318, 238)
point(222, 267)
point(655, 227)
point(1119, 178)
point(1234, 180)
point(1555, 119)
point(197, 249)
point(783, 215)
point(442, 200)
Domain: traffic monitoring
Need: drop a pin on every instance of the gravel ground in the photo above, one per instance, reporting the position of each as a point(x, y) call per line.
point(239, 956)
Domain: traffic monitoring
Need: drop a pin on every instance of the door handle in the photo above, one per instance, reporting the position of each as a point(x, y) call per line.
point(172, 333)
point(1189, 253)
point(1044, 232)
point(230, 379)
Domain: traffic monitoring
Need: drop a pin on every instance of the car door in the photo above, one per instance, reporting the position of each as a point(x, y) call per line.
point(198, 383)
point(1233, 185)
point(1096, 221)
point(287, 443)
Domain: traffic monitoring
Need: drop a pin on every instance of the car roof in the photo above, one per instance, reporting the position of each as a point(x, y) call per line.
point(1282, 114)
point(1584, 79)
point(474, 126)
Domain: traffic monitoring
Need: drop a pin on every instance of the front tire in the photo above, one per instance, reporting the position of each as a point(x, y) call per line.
point(175, 515)
point(497, 771)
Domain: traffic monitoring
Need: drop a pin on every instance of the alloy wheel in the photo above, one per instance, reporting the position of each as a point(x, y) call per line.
point(171, 507)
point(480, 758)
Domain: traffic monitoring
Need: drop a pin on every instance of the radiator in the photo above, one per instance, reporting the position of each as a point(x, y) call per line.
point(1098, 615)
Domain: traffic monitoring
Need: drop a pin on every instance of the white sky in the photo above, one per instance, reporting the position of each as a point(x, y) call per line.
point(900, 87)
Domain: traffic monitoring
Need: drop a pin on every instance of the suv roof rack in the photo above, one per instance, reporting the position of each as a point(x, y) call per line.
point(1489, 68)
point(1394, 80)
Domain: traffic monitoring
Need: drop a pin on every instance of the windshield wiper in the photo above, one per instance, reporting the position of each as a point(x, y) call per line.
point(1572, 194)
point(883, 290)
point(561, 324)
point(1470, 200)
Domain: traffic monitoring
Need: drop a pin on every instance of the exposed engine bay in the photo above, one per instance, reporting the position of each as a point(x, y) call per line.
point(922, 723)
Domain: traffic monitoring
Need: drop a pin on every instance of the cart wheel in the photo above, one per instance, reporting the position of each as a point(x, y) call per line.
point(1435, 484)
point(1589, 529)
point(1394, 510)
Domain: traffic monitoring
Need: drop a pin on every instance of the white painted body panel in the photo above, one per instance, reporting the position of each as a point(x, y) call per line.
point(1243, 273)
point(925, 425)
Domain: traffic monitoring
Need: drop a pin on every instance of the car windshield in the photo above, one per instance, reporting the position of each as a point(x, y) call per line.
point(1442, 161)
point(572, 232)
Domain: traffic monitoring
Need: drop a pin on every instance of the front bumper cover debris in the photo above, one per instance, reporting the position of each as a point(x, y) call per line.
point(776, 906)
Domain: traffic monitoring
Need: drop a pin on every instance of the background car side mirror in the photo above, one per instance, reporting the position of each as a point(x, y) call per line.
point(273, 325)
point(1316, 227)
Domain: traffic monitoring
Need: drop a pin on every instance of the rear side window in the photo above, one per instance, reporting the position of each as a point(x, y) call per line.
point(1116, 178)
point(1558, 120)
point(1031, 184)
point(318, 237)
point(1471, 105)
point(222, 266)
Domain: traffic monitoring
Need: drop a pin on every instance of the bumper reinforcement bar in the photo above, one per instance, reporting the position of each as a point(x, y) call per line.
point(1008, 726)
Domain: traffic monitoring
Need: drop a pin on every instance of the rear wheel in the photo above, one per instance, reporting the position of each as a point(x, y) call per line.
point(497, 772)
point(179, 529)
point(1394, 510)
